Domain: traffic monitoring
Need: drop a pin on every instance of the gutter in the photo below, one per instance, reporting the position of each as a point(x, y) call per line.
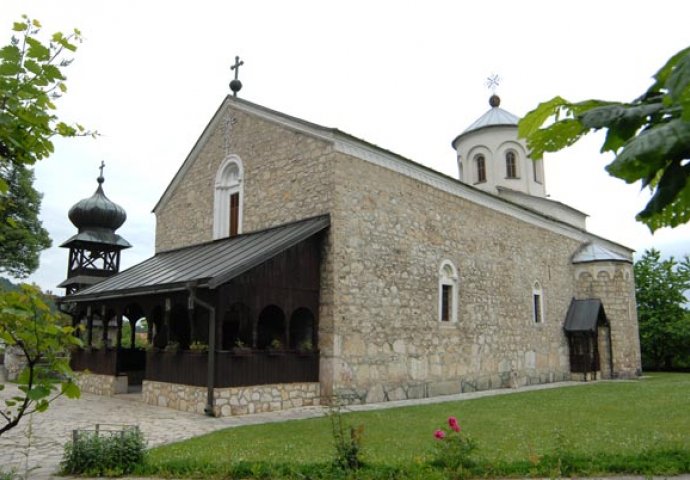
point(211, 371)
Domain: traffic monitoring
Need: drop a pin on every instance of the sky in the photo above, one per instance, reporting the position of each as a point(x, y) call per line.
point(405, 75)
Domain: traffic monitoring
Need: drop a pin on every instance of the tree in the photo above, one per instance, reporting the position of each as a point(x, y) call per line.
point(26, 322)
point(22, 237)
point(30, 80)
point(660, 287)
point(650, 137)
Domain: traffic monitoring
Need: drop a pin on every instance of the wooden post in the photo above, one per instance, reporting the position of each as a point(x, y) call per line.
point(89, 326)
point(118, 338)
point(104, 322)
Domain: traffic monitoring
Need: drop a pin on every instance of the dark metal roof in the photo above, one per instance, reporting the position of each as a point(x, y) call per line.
point(205, 265)
point(102, 237)
point(585, 315)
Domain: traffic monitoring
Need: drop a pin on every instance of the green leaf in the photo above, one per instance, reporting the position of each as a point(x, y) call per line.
point(71, 390)
point(648, 152)
point(664, 72)
point(556, 137)
point(19, 27)
point(37, 50)
point(531, 122)
point(611, 115)
point(38, 393)
point(679, 78)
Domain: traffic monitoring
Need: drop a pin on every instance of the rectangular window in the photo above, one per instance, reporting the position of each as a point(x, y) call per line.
point(481, 169)
point(446, 302)
point(511, 165)
point(537, 308)
point(234, 214)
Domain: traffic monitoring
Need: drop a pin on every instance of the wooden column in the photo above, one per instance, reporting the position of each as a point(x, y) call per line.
point(89, 326)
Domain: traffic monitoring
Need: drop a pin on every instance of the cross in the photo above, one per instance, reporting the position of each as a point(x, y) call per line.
point(492, 82)
point(236, 66)
point(102, 167)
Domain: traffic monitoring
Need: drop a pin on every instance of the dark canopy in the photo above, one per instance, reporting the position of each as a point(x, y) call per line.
point(585, 316)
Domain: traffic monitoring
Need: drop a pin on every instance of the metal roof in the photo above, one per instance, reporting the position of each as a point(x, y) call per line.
point(205, 265)
point(495, 117)
point(585, 315)
point(102, 237)
point(591, 252)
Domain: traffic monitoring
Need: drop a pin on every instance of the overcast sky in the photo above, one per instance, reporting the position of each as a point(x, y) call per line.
point(407, 76)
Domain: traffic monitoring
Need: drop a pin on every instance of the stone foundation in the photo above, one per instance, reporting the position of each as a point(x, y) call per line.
point(107, 385)
point(383, 393)
point(232, 401)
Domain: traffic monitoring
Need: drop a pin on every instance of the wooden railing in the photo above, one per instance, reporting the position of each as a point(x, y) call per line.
point(108, 361)
point(232, 370)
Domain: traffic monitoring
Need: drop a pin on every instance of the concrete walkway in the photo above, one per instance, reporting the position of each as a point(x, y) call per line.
point(36, 445)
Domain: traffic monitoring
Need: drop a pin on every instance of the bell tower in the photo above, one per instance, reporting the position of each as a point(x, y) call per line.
point(94, 252)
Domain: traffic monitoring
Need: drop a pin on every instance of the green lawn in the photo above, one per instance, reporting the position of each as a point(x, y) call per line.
point(618, 422)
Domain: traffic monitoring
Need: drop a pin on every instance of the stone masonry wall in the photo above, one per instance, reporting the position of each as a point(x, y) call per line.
point(232, 401)
point(107, 385)
point(614, 284)
point(287, 177)
point(390, 236)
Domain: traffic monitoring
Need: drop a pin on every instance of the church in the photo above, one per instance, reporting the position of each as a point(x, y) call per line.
point(296, 263)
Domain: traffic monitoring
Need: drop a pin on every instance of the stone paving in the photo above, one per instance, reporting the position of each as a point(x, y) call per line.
point(49, 431)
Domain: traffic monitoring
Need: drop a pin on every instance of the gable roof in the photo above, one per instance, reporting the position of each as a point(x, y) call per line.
point(585, 316)
point(206, 265)
point(350, 145)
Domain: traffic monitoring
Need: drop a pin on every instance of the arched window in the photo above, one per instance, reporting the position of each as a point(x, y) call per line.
point(480, 164)
point(271, 327)
point(537, 303)
point(227, 199)
point(511, 164)
point(447, 293)
point(302, 329)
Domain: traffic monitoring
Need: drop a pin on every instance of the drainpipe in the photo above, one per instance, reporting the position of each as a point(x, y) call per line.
point(211, 372)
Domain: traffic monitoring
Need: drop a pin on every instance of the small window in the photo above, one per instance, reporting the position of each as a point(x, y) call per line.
point(234, 213)
point(448, 293)
point(537, 304)
point(481, 168)
point(511, 165)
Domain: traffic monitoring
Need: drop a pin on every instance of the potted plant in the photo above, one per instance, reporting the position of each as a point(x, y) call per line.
point(172, 347)
point(240, 348)
point(305, 347)
point(198, 347)
point(275, 347)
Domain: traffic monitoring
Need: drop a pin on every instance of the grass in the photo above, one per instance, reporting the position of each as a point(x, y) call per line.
point(609, 427)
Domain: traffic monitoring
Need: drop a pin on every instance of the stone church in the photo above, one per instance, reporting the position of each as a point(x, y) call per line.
point(296, 262)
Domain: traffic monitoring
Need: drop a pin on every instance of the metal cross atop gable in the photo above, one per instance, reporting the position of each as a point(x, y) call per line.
point(236, 85)
point(100, 177)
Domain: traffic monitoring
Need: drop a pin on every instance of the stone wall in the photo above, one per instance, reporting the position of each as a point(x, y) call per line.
point(232, 401)
point(390, 235)
point(614, 284)
point(287, 177)
point(15, 361)
point(107, 385)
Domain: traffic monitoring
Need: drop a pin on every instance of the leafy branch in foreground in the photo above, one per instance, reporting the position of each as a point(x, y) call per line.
point(650, 137)
point(27, 323)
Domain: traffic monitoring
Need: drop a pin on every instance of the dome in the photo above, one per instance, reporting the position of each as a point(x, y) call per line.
point(97, 212)
point(494, 117)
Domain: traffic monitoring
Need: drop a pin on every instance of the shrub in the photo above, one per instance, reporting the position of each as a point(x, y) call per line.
point(347, 439)
point(99, 453)
point(454, 449)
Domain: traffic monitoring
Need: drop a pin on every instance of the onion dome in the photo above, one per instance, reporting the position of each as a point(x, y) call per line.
point(97, 212)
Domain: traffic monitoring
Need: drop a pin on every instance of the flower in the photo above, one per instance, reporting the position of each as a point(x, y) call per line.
point(440, 434)
point(453, 423)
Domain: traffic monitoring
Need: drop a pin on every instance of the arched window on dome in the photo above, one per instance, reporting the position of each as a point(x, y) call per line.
point(447, 293)
point(227, 198)
point(480, 168)
point(537, 303)
point(511, 164)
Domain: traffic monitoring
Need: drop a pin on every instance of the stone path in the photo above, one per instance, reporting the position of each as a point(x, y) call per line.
point(49, 431)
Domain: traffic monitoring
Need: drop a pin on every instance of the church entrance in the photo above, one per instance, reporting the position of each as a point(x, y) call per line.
point(589, 339)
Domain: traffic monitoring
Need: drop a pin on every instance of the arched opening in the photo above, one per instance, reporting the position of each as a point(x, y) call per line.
point(133, 334)
point(302, 330)
point(271, 327)
point(511, 164)
point(447, 292)
point(480, 168)
point(179, 326)
point(237, 327)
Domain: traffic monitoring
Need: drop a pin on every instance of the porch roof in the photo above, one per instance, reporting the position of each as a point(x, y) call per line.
point(585, 316)
point(205, 265)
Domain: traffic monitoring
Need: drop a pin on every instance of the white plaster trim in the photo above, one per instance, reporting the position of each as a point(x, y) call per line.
point(452, 281)
point(223, 188)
